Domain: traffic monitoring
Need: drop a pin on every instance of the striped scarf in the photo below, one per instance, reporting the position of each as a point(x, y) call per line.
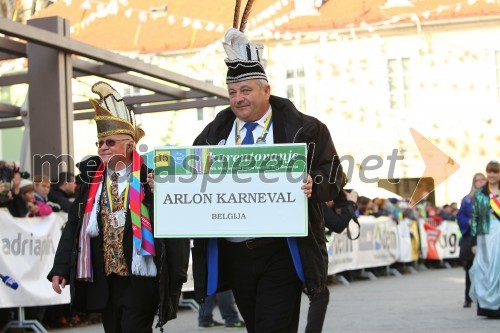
point(144, 249)
point(494, 203)
point(141, 224)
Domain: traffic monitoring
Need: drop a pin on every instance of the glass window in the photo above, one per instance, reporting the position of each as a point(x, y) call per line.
point(296, 87)
point(400, 83)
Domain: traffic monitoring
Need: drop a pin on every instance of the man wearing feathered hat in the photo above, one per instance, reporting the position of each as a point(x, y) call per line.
point(107, 253)
point(267, 275)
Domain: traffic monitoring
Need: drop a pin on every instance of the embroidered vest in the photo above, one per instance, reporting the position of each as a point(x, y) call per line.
point(112, 248)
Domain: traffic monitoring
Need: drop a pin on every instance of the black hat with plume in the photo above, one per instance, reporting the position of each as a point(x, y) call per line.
point(244, 60)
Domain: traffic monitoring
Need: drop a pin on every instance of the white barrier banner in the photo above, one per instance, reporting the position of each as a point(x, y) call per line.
point(448, 241)
point(27, 250)
point(440, 242)
point(377, 245)
point(425, 253)
point(405, 247)
point(341, 254)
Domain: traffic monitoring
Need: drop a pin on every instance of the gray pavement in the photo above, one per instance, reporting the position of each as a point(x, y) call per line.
point(427, 301)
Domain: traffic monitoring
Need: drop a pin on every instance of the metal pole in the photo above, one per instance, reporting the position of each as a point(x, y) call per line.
point(34, 325)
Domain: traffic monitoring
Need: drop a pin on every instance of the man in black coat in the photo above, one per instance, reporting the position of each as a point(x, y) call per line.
point(268, 274)
point(107, 253)
point(63, 191)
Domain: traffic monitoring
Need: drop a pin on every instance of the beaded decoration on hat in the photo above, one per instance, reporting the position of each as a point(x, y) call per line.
point(244, 60)
point(112, 115)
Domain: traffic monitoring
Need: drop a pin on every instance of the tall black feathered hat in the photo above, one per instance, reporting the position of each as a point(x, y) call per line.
point(244, 60)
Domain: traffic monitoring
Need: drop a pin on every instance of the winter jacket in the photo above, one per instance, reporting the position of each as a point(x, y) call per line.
point(172, 255)
point(289, 126)
point(43, 208)
point(60, 197)
point(480, 220)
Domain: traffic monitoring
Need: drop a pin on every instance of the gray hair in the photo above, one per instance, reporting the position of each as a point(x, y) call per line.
point(262, 83)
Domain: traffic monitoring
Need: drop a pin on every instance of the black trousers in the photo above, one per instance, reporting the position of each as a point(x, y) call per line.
point(467, 267)
point(317, 310)
point(265, 285)
point(131, 305)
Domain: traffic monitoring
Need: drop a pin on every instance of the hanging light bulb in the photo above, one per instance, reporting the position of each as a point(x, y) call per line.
point(128, 13)
point(197, 25)
point(86, 5)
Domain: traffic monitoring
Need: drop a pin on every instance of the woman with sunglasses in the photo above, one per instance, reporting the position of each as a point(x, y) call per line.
point(463, 218)
point(485, 229)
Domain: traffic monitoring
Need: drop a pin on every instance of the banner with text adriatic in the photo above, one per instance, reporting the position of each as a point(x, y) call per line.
point(27, 247)
point(377, 245)
point(230, 191)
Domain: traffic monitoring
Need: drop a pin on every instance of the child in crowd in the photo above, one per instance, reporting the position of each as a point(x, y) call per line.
point(42, 189)
point(34, 207)
point(25, 203)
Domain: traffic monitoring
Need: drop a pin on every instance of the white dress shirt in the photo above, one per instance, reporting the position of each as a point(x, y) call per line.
point(257, 132)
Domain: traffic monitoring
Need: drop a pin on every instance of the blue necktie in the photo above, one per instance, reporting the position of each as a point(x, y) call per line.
point(212, 246)
point(248, 140)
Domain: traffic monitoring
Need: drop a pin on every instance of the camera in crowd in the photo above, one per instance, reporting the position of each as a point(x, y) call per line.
point(348, 206)
point(7, 172)
point(341, 199)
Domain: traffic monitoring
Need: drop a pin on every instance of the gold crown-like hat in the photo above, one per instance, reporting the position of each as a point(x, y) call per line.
point(112, 115)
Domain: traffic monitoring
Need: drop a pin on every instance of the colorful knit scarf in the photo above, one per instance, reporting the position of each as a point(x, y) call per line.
point(144, 250)
point(141, 225)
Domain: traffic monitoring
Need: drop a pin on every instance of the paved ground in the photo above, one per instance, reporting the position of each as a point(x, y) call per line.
point(427, 301)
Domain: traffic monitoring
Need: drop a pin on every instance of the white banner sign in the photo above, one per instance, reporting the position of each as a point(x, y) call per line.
point(230, 191)
point(405, 247)
point(441, 241)
point(448, 242)
point(27, 249)
point(377, 245)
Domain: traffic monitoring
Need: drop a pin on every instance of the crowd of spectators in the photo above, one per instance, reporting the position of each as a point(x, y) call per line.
point(398, 209)
point(38, 196)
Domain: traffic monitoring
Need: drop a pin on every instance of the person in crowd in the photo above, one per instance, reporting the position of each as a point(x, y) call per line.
point(25, 203)
point(227, 308)
point(432, 215)
point(63, 190)
point(379, 207)
point(392, 206)
point(42, 191)
point(337, 218)
point(6, 198)
point(485, 230)
point(446, 213)
point(7, 173)
point(107, 253)
point(267, 275)
point(464, 218)
point(364, 205)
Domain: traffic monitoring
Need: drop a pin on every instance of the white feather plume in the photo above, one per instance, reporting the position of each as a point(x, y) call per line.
point(235, 45)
